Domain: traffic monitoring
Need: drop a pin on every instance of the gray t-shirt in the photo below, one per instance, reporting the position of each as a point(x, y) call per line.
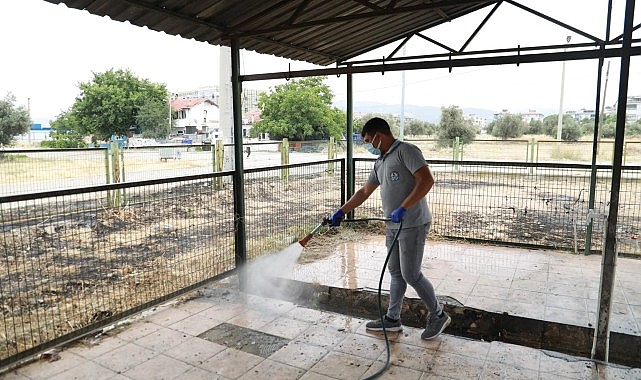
point(394, 172)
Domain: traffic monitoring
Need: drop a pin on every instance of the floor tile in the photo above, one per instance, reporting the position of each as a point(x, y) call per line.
point(323, 336)
point(92, 348)
point(193, 325)
point(160, 367)
point(87, 370)
point(125, 357)
point(456, 366)
point(501, 371)
point(231, 363)
point(162, 339)
point(44, 369)
point(514, 355)
point(410, 356)
point(361, 345)
point(287, 327)
point(342, 366)
point(299, 354)
point(194, 351)
point(269, 369)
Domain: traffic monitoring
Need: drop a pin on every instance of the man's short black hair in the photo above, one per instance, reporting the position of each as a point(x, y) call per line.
point(376, 124)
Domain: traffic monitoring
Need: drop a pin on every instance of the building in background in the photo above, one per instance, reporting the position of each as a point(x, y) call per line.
point(532, 115)
point(197, 113)
point(196, 117)
point(37, 134)
point(249, 98)
point(632, 109)
point(479, 121)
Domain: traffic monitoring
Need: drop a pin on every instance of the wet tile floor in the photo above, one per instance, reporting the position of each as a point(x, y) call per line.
point(226, 334)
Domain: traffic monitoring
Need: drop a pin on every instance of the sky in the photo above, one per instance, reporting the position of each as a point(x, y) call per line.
point(49, 49)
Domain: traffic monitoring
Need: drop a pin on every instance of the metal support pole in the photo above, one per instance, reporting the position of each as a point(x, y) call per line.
point(595, 147)
point(601, 342)
point(240, 238)
point(351, 175)
point(598, 115)
point(559, 126)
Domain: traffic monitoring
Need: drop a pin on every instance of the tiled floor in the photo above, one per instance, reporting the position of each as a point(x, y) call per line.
point(547, 285)
point(194, 339)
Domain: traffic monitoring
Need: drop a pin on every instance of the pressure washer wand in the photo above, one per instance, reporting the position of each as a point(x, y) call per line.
point(309, 236)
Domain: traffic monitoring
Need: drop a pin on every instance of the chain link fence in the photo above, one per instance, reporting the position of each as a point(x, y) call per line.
point(539, 205)
point(73, 261)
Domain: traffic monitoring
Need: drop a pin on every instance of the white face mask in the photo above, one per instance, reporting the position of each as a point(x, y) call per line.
point(370, 146)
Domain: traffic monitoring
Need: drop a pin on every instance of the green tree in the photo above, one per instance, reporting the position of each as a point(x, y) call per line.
point(453, 125)
point(419, 128)
point(152, 119)
point(109, 104)
point(300, 110)
point(570, 130)
point(14, 120)
point(535, 127)
point(507, 126)
point(65, 132)
point(609, 124)
point(394, 124)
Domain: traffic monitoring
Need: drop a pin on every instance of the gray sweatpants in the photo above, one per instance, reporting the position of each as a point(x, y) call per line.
point(405, 268)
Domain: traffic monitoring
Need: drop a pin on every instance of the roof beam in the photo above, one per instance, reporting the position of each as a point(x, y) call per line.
point(449, 63)
point(555, 21)
point(359, 16)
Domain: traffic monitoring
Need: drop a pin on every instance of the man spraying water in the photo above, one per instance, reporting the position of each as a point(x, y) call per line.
point(405, 179)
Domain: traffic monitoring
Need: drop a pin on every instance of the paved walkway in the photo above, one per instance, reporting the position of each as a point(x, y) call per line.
point(221, 333)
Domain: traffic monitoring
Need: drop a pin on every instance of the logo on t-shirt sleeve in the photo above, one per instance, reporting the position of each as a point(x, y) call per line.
point(394, 176)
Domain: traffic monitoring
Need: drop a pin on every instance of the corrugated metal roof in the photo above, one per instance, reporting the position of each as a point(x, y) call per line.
point(322, 32)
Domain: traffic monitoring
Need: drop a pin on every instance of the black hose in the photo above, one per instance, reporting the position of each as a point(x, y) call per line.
point(381, 315)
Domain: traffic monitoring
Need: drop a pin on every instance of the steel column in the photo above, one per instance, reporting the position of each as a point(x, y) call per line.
point(240, 243)
point(600, 346)
point(351, 176)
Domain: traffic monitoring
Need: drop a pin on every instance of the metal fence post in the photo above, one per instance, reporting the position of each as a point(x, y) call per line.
point(284, 159)
point(331, 154)
point(219, 157)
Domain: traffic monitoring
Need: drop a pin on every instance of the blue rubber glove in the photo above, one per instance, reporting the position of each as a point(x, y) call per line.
point(397, 215)
point(336, 219)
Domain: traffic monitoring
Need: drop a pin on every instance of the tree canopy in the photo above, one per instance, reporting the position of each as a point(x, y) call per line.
point(14, 120)
point(570, 129)
point(508, 126)
point(116, 102)
point(454, 125)
point(65, 132)
point(300, 110)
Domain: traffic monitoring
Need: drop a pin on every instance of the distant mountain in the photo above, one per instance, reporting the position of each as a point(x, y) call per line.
point(426, 113)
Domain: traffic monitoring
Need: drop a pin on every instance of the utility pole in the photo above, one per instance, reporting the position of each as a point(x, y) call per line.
point(559, 126)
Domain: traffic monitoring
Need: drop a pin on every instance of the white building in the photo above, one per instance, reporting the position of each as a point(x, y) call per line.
point(583, 114)
point(532, 115)
point(196, 116)
point(632, 109)
point(477, 120)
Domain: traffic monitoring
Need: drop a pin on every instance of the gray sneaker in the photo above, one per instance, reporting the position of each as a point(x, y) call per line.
point(435, 326)
point(376, 325)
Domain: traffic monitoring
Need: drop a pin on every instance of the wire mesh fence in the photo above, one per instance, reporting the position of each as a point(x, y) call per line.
point(544, 205)
point(36, 170)
point(530, 150)
point(283, 203)
point(79, 259)
point(72, 261)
